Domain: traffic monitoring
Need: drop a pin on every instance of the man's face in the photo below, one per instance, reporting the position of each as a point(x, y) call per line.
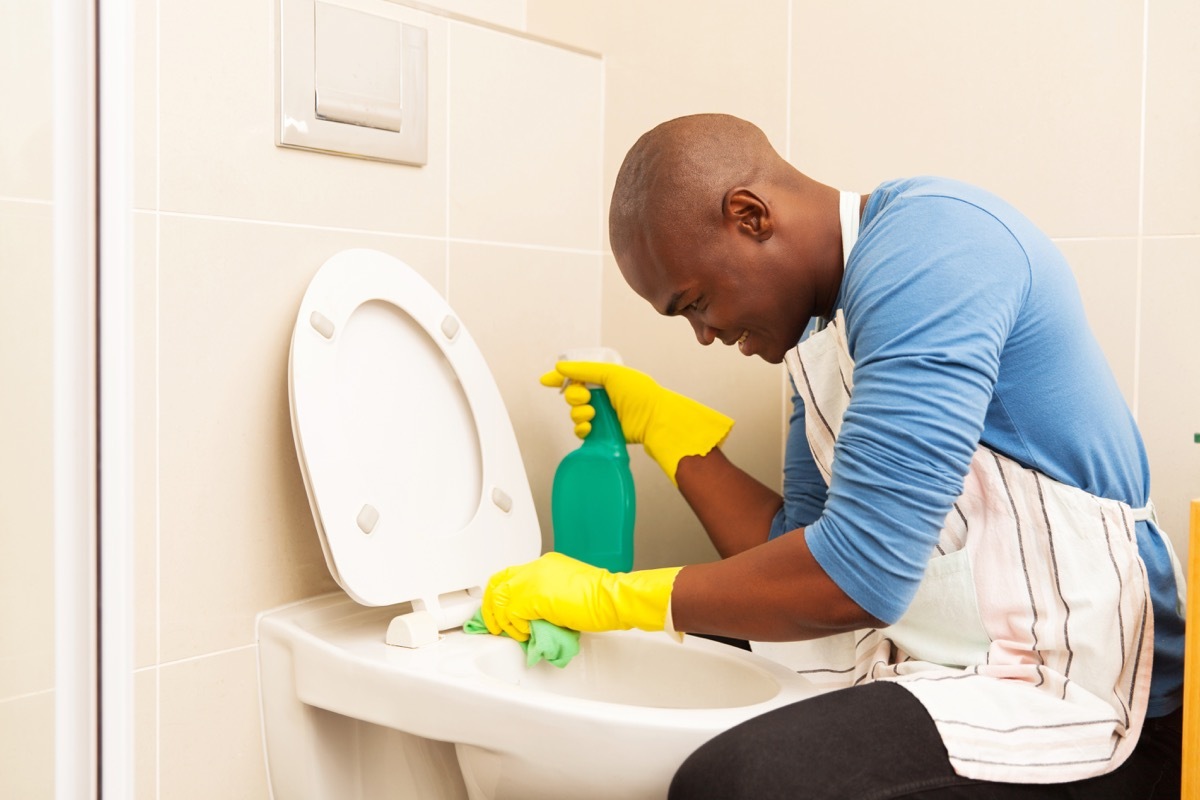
point(724, 285)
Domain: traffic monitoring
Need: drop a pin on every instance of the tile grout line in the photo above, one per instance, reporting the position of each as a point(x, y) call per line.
point(26, 695)
point(1133, 237)
point(199, 657)
point(602, 222)
point(1125, 237)
point(157, 399)
point(34, 201)
point(387, 234)
point(1141, 217)
point(784, 410)
point(787, 84)
point(446, 143)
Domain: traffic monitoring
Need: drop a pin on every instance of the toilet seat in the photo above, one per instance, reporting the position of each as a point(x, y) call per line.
point(410, 462)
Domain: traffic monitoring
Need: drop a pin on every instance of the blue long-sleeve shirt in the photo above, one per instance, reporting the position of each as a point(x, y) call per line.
point(966, 327)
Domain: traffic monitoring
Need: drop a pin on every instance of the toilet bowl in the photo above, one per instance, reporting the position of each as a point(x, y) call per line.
point(419, 494)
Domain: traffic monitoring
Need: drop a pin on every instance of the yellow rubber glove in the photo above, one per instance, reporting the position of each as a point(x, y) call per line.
point(669, 425)
point(575, 595)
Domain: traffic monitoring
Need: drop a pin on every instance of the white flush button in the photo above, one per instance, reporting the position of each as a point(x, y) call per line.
point(358, 68)
point(353, 81)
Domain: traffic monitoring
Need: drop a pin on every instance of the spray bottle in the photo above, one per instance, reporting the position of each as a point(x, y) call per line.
point(592, 503)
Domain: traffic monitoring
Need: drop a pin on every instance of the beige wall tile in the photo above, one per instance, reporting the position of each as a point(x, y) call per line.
point(236, 535)
point(217, 124)
point(210, 733)
point(746, 389)
point(1169, 376)
point(27, 745)
point(1106, 271)
point(26, 86)
point(145, 438)
point(509, 13)
point(145, 104)
point(664, 60)
point(26, 347)
point(26, 479)
point(1172, 118)
point(145, 734)
point(26, 533)
point(673, 57)
point(1038, 102)
point(580, 24)
point(667, 533)
point(525, 131)
point(524, 307)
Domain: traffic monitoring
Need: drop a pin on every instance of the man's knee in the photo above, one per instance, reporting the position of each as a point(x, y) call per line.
point(849, 743)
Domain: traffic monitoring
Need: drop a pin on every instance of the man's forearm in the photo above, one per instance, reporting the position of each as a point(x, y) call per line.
point(735, 509)
point(773, 592)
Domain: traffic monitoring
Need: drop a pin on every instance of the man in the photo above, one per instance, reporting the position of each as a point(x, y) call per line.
point(965, 488)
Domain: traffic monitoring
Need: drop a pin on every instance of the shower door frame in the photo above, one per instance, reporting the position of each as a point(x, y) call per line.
point(92, 397)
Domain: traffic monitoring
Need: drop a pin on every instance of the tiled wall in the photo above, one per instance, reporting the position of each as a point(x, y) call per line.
point(26, 347)
point(1086, 116)
point(26, 541)
point(504, 220)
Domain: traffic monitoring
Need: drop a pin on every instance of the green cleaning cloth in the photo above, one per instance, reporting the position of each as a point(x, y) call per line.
point(546, 641)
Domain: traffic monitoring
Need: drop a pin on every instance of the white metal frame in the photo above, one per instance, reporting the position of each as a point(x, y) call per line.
point(115, 377)
point(75, 665)
point(93, 539)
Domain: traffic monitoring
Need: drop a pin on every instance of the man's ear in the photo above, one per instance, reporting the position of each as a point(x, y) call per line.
point(748, 212)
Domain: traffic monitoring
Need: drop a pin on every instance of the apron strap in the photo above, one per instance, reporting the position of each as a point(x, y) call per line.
point(848, 209)
point(1145, 514)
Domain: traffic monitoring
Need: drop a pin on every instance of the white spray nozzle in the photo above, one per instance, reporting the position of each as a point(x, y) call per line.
point(604, 355)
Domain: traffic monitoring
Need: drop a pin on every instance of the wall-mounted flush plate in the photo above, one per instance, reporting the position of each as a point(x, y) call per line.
point(352, 82)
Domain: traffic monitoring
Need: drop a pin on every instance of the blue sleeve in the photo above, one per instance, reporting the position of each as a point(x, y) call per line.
point(803, 487)
point(932, 291)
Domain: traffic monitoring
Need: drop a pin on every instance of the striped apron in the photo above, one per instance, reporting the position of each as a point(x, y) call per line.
point(1031, 636)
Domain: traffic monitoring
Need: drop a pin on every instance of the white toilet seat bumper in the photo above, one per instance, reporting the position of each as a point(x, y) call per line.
point(615, 723)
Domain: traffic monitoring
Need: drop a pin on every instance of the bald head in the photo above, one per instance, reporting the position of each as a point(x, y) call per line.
point(674, 178)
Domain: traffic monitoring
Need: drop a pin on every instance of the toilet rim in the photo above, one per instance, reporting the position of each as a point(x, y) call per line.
point(451, 667)
point(787, 687)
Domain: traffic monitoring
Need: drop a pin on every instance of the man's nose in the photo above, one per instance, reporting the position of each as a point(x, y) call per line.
point(704, 334)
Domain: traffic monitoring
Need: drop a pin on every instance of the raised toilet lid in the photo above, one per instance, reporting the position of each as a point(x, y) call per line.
point(409, 458)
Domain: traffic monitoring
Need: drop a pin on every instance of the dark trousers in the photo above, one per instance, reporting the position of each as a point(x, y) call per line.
point(877, 741)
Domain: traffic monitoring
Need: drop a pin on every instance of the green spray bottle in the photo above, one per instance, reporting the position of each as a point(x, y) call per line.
point(592, 503)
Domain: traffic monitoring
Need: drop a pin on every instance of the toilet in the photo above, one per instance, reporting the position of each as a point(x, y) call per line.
point(419, 495)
